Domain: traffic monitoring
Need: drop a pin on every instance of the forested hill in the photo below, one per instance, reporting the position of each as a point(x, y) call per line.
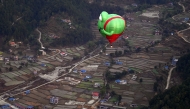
point(34, 13)
point(177, 97)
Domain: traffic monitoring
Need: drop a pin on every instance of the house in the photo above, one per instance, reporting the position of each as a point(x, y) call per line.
point(134, 77)
point(66, 21)
point(43, 52)
point(96, 84)
point(54, 100)
point(29, 107)
point(157, 32)
point(118, 62)
point(166, 67)
point(75, 71)
point(174, 60)
point(83, 71)
point(12, 43)
point(27, 92)
point(63, 54)
point(85, 79)
point(6, 106)
point(35, 72)
point(88, 76)
point(95, 95)
point(107, 63)
point(125, 37)
point(11, 99)
point(6, 59)
point(103, 100)
point(121, 81)
point(15, 58)
point(43, 65)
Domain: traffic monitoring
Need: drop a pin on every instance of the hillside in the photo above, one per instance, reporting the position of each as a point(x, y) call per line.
point(19, 18)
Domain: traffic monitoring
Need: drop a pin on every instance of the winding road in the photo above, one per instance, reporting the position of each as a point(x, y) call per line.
point(180, 35)
point(169, 76)
point(39, 40)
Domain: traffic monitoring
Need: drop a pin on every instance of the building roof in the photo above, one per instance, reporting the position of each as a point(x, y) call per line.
point(83, 71)
point(95, 93)
point(12, 43)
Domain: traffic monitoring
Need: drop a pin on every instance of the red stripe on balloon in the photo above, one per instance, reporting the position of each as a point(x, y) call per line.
point(112, 19)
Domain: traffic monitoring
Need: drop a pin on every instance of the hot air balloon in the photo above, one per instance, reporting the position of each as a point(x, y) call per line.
point(111, 26)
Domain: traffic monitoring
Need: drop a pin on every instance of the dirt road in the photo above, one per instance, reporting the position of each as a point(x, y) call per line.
point(169, 76)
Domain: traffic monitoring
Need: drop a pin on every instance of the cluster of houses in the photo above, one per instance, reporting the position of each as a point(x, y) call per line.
point(157, 32)
point(63, 54)
point(66, 21)
point(14, 44)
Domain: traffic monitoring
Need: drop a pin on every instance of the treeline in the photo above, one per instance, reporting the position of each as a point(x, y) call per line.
point(35, 13)
point(154, 2)
point(177, 97)
point(183, 66)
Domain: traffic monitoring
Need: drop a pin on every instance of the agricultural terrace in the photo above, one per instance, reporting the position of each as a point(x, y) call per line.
point(148, 31)
point(19, 71)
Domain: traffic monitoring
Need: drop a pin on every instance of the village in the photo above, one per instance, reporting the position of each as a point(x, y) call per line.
point(49, 82)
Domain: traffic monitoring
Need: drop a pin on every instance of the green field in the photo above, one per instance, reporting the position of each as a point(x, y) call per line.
point(85, 96)
point(135, 69)
point(96, 80)
point(85, 85)
point(77, 54)
point(112, 86)
point(113, 99)
point(81, 47)
point(69, 51)
point(155, 71)
point(50, 66)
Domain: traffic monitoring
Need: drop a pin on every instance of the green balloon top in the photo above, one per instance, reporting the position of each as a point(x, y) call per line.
point(109, 24)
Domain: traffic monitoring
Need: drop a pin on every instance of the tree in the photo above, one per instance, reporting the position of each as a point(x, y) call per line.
point(26, 64)
point(182, 66)
point(112, 54)
point(119, 53)
point(20, 67)
point(102, 91)
point(119, 98)
point(131, 71)
point(155, 86)
point(10, 69)
point(107, 86)
point(20, 52)
point(112, 93)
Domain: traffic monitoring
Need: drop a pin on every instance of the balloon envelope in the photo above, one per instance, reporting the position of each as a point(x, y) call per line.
point(111, 26)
